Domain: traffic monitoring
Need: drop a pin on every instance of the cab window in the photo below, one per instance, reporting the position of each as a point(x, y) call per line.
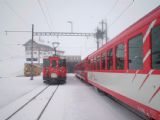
point(54, 63)
point(46, 63)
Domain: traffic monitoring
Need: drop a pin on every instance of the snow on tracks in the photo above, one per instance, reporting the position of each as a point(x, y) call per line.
point(23, 108)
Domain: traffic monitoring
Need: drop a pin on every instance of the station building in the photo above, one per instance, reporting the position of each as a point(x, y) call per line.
point(41, 51)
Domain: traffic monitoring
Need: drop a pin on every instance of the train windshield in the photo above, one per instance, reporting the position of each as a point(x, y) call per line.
point(45, 63)
point(54, 63)
point(62, 63)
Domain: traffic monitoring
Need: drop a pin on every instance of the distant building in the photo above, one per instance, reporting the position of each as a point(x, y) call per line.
point(40, 51)
point(71, 61)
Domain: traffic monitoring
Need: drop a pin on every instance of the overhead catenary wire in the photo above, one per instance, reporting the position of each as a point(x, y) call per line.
point(51, 21)
point(108, 13)
point(13, 10)
point(112, 8)
point(121, 13)
point(45, 16)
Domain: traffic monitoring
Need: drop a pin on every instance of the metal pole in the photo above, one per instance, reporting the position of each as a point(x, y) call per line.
point(39, 53)
point(106, 32)
point(72, 27)
point(55, 50)
point(97, 37)
point(97, 43)
point(102, 31)
point(32, 52)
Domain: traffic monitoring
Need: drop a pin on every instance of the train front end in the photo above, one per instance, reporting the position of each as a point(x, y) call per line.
point(54, 70)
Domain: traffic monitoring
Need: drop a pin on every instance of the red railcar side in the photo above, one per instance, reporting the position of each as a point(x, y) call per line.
point(128, 67)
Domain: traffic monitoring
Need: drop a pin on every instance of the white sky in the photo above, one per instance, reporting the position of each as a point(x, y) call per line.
point(85, 15)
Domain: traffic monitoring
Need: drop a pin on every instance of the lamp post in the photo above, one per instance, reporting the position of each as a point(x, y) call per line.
point(70, 22)
point(55, 45)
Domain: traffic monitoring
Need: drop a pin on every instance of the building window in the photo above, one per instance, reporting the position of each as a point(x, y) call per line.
point(120, 57)
point(156, 47)
point(33, 59)
point(136, 53)
point(28, 48)
point(34, 53)
point(103, 61)
point(28, 53)
point(110, 59)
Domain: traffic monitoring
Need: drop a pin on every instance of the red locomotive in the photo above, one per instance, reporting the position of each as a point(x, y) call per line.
point(54, 70)
point(128, 67)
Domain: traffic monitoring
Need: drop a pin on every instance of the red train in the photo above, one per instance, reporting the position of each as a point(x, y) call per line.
point(128, 67)
point(54, 70)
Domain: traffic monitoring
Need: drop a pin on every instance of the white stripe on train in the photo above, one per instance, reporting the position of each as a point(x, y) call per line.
point(149, 30)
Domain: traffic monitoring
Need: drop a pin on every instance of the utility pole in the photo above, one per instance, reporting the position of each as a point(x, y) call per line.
point(97, 43)
point(39, 52)
point(106, 32)
point(31, 47)
point(32, 52)
point(98, 37)
point(102, 30)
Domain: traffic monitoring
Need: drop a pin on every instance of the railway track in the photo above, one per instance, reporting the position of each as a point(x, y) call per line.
point(43, 96)
point(47, 103)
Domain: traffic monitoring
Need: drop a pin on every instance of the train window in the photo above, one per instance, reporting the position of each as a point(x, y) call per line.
point(88, 65)
point(98, 63)
point(136, 53)
point(94, 63)
point(54, 64)
point(46, 63)
point(110, 59)
point(156, 47)
point(120, 57)
point(103, 61)
point(62, 63)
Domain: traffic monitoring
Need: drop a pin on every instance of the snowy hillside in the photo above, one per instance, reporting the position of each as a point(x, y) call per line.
point(11, 61)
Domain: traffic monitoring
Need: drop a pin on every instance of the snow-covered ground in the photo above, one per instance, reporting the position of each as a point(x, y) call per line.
point(12, 88)
point(74, 100)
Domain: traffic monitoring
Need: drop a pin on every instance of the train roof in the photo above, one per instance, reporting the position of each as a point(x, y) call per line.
point(141, 22)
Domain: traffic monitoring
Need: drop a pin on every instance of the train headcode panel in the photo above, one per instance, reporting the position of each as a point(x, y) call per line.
point(128, 66)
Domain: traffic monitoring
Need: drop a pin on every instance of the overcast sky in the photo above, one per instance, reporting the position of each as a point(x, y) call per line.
point(52, 15)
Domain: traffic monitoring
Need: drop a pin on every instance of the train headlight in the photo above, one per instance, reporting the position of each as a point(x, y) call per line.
point(53, 75)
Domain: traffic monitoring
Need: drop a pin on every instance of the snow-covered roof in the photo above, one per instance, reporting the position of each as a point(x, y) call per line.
point(38, 45)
